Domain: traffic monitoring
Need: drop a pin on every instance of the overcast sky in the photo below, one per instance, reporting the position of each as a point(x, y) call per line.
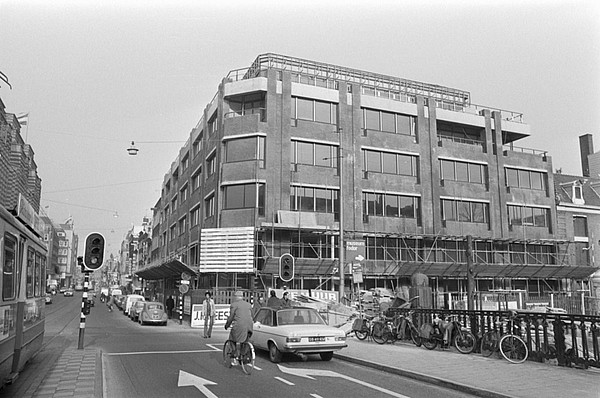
point(96, 75)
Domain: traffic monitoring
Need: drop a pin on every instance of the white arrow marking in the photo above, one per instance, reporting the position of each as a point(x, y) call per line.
point(308, 373)
point(188, 379)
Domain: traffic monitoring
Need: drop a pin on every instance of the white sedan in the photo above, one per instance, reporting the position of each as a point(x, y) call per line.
point(297, 330)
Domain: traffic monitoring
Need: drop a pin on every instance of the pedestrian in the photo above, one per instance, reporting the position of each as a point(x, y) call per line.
point(170, 304)
point(240, 320)
point(273, 301)
point(286, 302)
point(111, 301)
point(208, 308)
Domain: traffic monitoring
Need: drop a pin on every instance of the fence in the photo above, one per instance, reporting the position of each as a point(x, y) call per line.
point(570, 339)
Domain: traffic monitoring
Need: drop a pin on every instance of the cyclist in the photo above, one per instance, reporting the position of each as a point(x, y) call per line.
point(240, 320)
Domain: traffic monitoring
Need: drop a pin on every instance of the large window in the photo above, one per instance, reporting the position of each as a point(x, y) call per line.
point(314, 154)
point(212, 124)
point(245, 196)
point(243, 149)
point(390, 163)
point(209, 206)
point(465, 211)
point(313, 110)
point(247, 105)
point(211, 165)
point(530, 216)
point(323, 200)
point(182, 225)
point(525, 179)
point(580, 229)
point(388, 122)
point(197, 145)
point(195, 216)
point(391, 205)
point(452, 170)
point(196, 179)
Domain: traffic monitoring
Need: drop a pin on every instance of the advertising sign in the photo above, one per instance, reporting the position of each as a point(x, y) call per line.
point(355, 255)
point(325, 295)
point(221, 314)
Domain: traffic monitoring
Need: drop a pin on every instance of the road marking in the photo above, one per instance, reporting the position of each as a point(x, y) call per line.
point(306, 373)
point(257, 368)
point(281, 379)
point(156, 352)
point(213, 347)
point(187, 379)
point(316, 396)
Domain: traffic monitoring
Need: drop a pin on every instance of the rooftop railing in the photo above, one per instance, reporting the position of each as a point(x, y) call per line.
point(530, 151)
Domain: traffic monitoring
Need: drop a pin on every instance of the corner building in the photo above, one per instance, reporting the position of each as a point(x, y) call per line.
point(419, 165)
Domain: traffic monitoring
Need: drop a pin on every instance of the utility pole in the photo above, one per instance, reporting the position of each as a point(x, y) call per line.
point(470, 274)
point(341, 199)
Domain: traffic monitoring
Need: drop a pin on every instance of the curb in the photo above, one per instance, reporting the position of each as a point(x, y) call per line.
point(480, 392)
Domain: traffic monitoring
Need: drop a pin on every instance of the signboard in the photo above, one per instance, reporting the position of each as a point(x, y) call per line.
point(186, 276)
point(183, 289)
point(325, 295)
point(221, 314)
point(355, 255)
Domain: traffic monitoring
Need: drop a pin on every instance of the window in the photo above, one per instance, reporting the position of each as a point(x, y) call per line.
point(580, 227)
point(173, 232)
point(211, 165)
point(525, 179)
point(244, 196)
point(323, 200)
point(243, 149)
point(452, 170)
point(182, 226)
point(196, 179)
point(209, 206)
point(529, 216)
point(248, 105)
point(314, 154)
point(212, 124)
point(195, 216)
point(183, 194)
point(38, 275)
point(388, 122)
point(197, 145)
point(314, 111)
point(391, 205)
point(174, 203)
point(390, 163)
point(8, 269)
point(465, 211)
point(29, 272)
point(185, 163)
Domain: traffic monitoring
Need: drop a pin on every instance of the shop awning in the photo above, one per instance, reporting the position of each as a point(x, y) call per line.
point(169, 269)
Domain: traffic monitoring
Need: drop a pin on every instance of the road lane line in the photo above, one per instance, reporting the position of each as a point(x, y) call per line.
point(281, 379)
point(156, 352)
point(316, 396)
point(213, 347)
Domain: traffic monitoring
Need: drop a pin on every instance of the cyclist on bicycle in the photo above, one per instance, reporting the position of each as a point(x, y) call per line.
point(240, 320)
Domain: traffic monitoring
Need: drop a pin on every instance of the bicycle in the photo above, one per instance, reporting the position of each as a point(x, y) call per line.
point(245, 358)
point(396, 328)
point(361, 328)
point(462, 339)
point(511, 346)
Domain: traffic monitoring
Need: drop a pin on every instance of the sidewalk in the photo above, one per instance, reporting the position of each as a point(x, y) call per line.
point(78, 373)
point(474, 374)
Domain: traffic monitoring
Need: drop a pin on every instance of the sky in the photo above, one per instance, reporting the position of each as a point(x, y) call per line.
point(96, 75)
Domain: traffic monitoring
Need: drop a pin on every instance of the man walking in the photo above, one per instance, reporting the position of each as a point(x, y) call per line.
point(170, 304)
point(208, 308)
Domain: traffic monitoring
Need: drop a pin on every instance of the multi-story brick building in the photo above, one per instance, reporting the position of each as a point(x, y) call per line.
point(51, 239)
point(288, 148)
point(18, 170)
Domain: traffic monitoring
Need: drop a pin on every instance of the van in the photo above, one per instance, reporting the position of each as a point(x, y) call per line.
point(116, 292)
point(131, 298)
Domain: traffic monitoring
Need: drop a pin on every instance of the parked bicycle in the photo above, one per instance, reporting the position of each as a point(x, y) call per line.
point(362, 327)
point(395, 328)
point(511, 346)
point(445, 333)
point(245, 358)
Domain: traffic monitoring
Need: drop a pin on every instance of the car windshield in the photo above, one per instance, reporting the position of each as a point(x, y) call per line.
point(154, 306)
point(299, 316)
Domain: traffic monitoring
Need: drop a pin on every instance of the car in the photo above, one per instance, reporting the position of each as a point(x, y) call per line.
point(68, 293)
point(48, 298)
point(297, 330)
point(129, 300)
point(134, 311)
point(152, 312)
point(120, 300)
point(62, 289)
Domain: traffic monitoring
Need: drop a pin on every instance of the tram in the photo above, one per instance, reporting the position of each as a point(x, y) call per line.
point(23, 255)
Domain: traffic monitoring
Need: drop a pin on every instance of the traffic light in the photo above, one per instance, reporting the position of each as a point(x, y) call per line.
point(86, 307)
point(286, 267)
point(93, 252)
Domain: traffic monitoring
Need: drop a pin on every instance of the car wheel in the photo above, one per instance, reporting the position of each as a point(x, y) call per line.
point(326, 356)
point(274, 353)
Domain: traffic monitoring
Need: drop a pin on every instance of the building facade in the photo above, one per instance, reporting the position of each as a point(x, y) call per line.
point(291, 153)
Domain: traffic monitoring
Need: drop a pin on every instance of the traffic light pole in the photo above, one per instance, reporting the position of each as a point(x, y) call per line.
point(83, 306)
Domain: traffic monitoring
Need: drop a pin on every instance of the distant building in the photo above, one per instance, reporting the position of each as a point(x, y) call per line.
point(52, 240)
point(290, 148)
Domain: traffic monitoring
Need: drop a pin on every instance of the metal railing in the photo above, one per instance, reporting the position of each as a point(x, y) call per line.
point(531, 151)
point(567, 339)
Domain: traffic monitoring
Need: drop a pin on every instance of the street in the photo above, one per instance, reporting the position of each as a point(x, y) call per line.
point(157, 361)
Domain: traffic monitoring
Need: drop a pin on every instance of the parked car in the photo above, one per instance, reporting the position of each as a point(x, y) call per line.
point(129, 300)
point(152, 312)
point(297, 330)
point(134, 311)
point(68, 293)
point(119, 301)
point(48, 298)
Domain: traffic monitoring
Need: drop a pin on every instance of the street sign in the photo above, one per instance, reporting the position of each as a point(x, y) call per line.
point(184, 282)
point(186, 276)
point(183, 289)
